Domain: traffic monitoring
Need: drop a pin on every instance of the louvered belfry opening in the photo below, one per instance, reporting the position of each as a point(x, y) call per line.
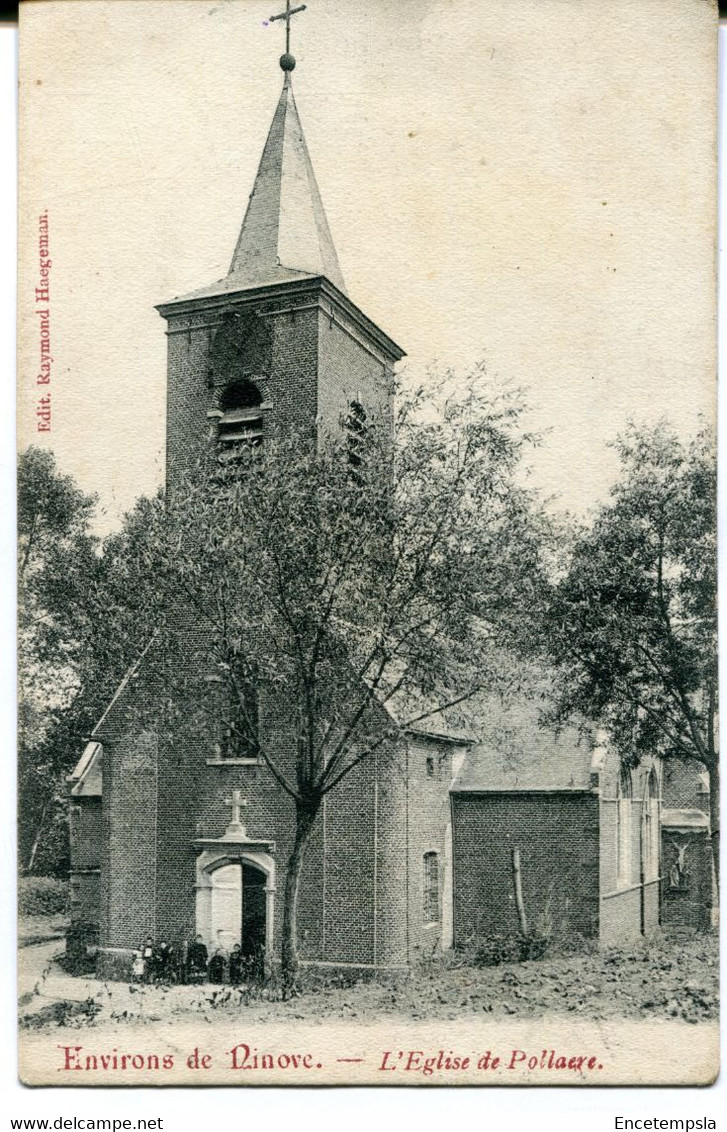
point(241, 422)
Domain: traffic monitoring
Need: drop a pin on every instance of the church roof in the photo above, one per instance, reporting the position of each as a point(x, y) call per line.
point(420, 713)
point(87, 777)
point(285, 234)
point(516, 752)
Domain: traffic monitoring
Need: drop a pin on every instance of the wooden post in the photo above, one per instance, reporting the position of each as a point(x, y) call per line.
point(517, 881)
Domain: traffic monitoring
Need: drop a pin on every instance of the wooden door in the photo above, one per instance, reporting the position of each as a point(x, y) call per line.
point(226, 910)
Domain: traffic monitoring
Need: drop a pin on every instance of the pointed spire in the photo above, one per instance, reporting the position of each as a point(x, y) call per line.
point(285, 230)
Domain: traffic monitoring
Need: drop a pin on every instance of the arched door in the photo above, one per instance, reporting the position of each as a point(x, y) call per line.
point(237, 908)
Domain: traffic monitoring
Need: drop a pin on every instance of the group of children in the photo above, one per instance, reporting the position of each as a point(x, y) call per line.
point(155, 963)
point(163, 963)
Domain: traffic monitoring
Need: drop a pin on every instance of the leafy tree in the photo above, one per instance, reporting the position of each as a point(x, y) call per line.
point(345, 576)
point(84, 615)
point(56, 555)
point(632, 623)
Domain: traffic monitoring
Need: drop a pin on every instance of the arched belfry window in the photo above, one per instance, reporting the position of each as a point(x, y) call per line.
point(241, 422)
point(356, 425)
point(623, 830)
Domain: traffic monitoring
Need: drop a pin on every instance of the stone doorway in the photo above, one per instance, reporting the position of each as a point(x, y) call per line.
point(235, 903)
point(237, 908)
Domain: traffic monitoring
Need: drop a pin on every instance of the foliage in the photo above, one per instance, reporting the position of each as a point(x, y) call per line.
point(42, 896)
point(82, 621)
point(513, 947)
point(62, 1015)
point(55, 561)
point(631, 624)
point(647, 980)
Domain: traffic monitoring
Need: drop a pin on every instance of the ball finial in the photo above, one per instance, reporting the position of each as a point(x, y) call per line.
point(287, 61)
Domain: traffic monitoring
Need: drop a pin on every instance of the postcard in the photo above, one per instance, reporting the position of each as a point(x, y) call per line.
point(367, 543)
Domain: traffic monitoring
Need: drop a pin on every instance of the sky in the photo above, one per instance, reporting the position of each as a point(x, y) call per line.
point(503, 182)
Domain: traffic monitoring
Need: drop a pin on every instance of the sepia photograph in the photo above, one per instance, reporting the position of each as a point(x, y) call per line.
point(367, 543)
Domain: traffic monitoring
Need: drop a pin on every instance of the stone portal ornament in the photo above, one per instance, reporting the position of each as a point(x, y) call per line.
point(238, 804)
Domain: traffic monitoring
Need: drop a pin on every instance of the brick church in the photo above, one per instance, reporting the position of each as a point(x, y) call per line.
point(415, 854)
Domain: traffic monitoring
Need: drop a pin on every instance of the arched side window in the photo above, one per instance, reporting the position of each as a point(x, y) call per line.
point(356, 428)
point(241, 422)
point(623, 830)
point(651, 831)
point(431, 889)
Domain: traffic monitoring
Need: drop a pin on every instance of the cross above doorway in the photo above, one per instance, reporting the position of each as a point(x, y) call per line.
point(237, 804)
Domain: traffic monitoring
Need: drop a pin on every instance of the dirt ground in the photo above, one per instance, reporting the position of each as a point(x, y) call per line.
point(676, 979)
point(39, 929)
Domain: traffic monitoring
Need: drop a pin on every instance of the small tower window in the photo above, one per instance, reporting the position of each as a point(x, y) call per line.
point(431, 888)
point(437, 766)
point(241, 422)
point(356, 429)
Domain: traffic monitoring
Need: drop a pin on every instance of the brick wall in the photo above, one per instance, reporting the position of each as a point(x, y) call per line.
point(393, 833)
point(349, 371)
point(609, 844)
point(193, 804)
point(128, 877)
point(317, 358)
point(621, 915)
point(161, 796)
point(85, 832)
point(429, 808)
point(189, 396)
point(85, 845)
point(684, 787)
point(558, 838)
point(350, 871)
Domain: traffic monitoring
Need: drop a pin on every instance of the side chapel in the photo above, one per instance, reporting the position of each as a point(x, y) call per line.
point(413, 855)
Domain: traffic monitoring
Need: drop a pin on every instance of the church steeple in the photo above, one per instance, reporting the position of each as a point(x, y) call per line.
point(285, 231)
point(276, 343)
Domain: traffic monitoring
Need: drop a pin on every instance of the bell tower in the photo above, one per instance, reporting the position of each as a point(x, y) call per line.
point(277, 342)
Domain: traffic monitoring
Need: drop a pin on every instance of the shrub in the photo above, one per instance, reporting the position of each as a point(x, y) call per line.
point(533, 945)
point(62, 1014)
point(513, 947)
point(81, 949)
point(42, 896)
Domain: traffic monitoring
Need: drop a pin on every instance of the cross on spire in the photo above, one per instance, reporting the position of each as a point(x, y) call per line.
point(238, 804)
point(286, 15)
